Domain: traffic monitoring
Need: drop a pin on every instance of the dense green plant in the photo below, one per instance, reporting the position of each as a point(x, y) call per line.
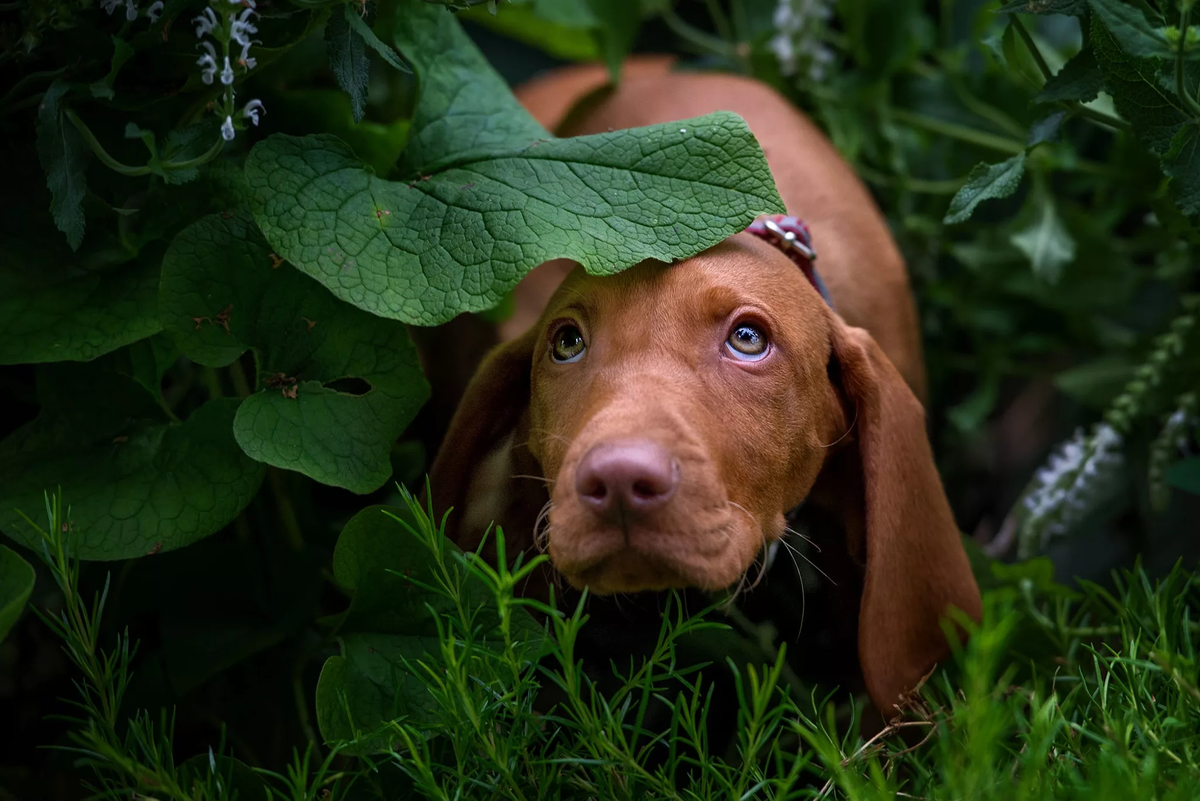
point(221, 219)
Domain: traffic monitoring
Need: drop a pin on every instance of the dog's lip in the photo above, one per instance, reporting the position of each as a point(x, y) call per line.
point(604, 575)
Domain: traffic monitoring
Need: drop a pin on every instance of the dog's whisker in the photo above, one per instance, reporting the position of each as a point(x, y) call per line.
point(849, 429)
point(803, 556)
point(548, 481)
point(805, 537)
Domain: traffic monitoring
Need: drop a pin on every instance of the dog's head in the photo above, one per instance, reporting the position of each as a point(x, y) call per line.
point(676, 413)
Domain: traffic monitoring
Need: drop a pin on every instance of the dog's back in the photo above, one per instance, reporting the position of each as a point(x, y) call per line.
point(857, 257)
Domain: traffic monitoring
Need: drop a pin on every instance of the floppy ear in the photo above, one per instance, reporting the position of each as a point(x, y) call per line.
point(916, 567)
point(483, 464)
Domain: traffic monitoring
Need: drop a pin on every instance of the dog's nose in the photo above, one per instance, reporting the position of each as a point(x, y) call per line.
point(624, 479)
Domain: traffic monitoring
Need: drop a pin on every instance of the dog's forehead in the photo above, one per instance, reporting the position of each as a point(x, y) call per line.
point(740, 271)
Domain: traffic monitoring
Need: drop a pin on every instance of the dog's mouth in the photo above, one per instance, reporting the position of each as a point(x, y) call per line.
point(609, 561)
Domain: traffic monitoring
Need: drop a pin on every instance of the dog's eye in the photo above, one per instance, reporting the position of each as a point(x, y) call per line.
point(568, 345)
point(747, 342)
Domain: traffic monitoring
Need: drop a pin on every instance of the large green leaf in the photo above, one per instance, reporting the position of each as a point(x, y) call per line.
point(136, 483)
point(491, 195)
point(1132, 30)
point(391, 623)
point(16, 585)
point(224, 292)
point(1080, 79)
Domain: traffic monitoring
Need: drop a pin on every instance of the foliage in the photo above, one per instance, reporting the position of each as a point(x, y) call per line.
point(1108, 707)
point(221, 220)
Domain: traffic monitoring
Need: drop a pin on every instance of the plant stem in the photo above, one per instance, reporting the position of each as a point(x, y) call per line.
point(1099, 117)
point(101, 153)
point(1189, 104)
point(705, 42)
point(961, 132)
point(287, 512)
point(1032, 47)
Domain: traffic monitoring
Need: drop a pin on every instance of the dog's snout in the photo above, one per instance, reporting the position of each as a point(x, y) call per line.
point(626, 478)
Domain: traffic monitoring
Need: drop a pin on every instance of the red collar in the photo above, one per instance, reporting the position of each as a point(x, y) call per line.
point(791, 235)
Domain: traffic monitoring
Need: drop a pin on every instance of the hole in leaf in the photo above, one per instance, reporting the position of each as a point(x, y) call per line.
point(349, 386)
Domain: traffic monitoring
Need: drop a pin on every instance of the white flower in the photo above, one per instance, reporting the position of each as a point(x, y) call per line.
point(227, 132)
point(227, 73)
point(252, 110)
point(799, 25)
point(206, 23)
point(131, 10)
point(154, 10)
point(246, 60)
point(207, 63)
point(241, 27)
point(110, 5)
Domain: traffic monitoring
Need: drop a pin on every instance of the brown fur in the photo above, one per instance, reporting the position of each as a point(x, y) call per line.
point(829, 414)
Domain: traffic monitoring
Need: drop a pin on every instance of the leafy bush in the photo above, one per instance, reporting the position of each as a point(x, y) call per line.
point(224, 222)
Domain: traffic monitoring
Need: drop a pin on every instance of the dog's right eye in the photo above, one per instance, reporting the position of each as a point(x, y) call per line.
point(568, 345)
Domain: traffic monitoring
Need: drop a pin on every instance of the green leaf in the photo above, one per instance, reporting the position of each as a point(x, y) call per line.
point(1138, 90)
point(495, 196)
point(985, 182)
point(64, 156)
point(16, 585)
point(223, 292)
point(1075, 8)
point(359, 26)
point(122, 52)
point(1046, 242)
point(390, 620)
point(1182, 163)
point(54, 307)
point(617, 26)
point(1046, 129)
point(1130, 28)
point(1185, 475)
point(526, 23)
point(1079, 80)
point(136, 483)
point(348, 58)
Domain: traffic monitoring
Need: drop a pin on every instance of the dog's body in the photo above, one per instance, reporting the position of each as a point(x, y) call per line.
point(662, 422)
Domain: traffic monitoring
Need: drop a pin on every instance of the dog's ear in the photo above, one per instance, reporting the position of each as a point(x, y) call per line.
point(483, 468)
point(915, 564)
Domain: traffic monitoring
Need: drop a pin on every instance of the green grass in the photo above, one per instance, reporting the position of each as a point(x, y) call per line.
point(1058, 694)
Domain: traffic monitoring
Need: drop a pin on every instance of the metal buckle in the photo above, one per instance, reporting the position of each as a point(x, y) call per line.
point(789, 240)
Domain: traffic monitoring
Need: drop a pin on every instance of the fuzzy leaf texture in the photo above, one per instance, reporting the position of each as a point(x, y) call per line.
point(64, 156)
point(16, 585)
point(492, 196)
point(1079, 79)
point(1132, 30)
point(986, 182)
point(347, 54)
point(138, 483)
point(224, 292)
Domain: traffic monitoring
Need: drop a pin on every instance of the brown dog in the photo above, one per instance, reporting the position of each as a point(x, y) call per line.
point(677, 413)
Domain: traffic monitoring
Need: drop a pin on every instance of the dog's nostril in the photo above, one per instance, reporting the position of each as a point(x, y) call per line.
point(626, 477)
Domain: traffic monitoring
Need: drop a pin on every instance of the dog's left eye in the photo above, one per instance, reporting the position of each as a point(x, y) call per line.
point(568, 345)
point(747, 342)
